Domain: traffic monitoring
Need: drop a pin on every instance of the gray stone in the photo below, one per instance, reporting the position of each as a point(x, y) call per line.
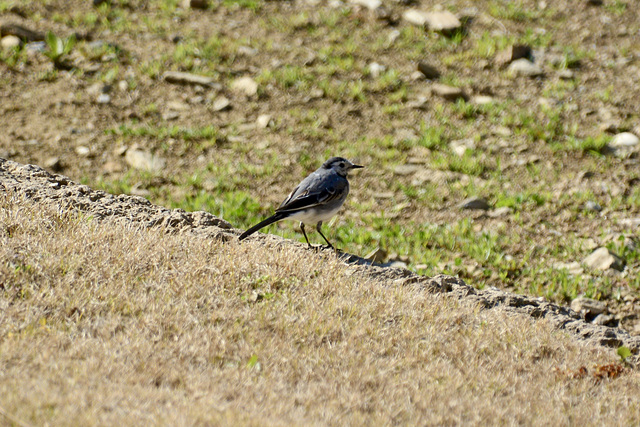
point(53, 163)
point(144, 160)
point(604, 319)
point(449, 93)
point(588, 307)
point(572, 267)
point(103, 98)
point(603, 259)
point(590, 205)
point(461, 146)
point(512, 53)
point(369, 4)
point(83, 151)
point(624, 144)
point(245, 85)
point(376, 69)
point(429, 71)
point(415, 17)
point(221, 103)
point(481, 100)
point(566, 74)
point(475, 203)
point(10, 42)
point(443, 22)
point(263, 121)
point(178, 77)
point(524, 67)
point(500, 212)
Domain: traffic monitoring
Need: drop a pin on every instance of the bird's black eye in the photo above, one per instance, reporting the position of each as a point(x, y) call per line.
point(342, 164)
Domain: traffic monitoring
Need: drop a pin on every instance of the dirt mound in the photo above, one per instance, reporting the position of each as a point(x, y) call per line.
point(42, 187)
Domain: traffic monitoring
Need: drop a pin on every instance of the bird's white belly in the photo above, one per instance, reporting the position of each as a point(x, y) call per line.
point(314, 216)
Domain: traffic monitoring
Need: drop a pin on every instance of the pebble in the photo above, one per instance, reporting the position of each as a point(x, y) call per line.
point(83, 151)
point(221, 103)
point(369, 4)
point(481, 100)
point(524, 67)
point(428, 70)
point(475, 203)
point(10, 42)
point(449, 93)
point(512, 53)
point(500, 212)
point(246, 85)
point(623, 144)
point(603, 259)
point(103, 98)
point(443, 22)
point(588, 307)
point(178, 77)
point(573, 268)
point(376, 69)
point(144, 160)
point(566, 74)
point(53, 163)
point(263, 121)
point(461, 146)
point(590, 205)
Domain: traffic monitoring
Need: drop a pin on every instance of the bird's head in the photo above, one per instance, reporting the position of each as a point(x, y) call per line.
point(341, 165)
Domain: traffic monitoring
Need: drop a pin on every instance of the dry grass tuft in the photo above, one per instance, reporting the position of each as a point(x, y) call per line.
point(104, 324)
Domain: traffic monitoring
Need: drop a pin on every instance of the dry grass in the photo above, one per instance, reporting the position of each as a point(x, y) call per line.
point(102, 325)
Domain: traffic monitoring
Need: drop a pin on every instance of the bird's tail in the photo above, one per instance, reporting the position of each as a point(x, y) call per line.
point(276, 217)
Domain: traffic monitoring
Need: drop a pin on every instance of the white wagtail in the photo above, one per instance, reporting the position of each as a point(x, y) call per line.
point(316, 199)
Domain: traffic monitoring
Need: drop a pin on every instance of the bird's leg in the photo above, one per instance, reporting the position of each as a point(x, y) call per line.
point(329, 245)
point(305, 234)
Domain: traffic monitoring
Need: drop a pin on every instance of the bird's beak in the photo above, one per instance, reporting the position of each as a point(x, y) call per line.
point(356, 167)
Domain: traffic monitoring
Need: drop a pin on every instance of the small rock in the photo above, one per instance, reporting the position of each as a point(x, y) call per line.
point(143, 160)
point(10, 42)
point(369, 4)
point(195, 4)
point(449, 93)
point(376, 69)
point(123, 86)
point(566, 74)
point(481, 100)
point(512, 53)
point(178, 77)
point(475, 203)
point(246, 51)
point(624, 144)
point(524, 67)
point(603, 259)
point(573, 268)
point(35, 47)
point(221, 103)
point(604, 319)
point(392, 36)
point(588, 307)
point(406, 169)
point(83, 151)
point(53, 163)
point(177, 106)
point(500, 212)
point(415, 17)
point(170, 115)
point(428, 70)
point(443, 22)
point(103, 98)
point(590, 205)
point(461, 146)
point(263, 121)
point(246, 85)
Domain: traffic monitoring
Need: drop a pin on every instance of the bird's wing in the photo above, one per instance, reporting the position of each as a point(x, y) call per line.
point(303, 196)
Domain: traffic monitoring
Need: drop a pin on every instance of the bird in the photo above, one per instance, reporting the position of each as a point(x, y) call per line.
point(315, 200)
